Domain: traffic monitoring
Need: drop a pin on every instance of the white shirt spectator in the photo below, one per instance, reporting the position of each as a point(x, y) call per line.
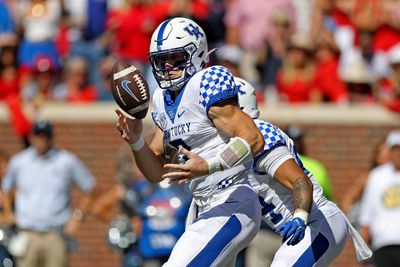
point(380, 206)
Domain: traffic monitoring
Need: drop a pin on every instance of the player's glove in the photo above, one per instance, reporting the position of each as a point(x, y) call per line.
point(295, 228)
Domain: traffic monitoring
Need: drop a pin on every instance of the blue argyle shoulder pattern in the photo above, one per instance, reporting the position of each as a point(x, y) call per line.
point(273, 136)
point(216, 86)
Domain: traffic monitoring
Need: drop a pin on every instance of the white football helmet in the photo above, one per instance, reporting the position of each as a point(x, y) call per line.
point(182, 40)
point(247, 98)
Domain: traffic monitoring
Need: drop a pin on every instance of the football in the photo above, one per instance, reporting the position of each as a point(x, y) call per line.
point(130, 89)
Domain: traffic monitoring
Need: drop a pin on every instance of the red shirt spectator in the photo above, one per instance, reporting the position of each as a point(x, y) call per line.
point(327, 63)
point(86, 94)
point(389, 94)
point(134, 28)
point(328, 81)
point(75, 87)
point(296, 81)
point(297, 89)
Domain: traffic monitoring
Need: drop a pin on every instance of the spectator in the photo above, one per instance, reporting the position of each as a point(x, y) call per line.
point(276, 51)
point(333, 89)
point(9, 73)
point(8, 35)
point(351, 199)
point(11, 79)
point(315, 167)
point(214, 26)
point(157, 230)
point(296, 81)
point(249, 26)
point(43, 176)
point(131, 26)
point(41, 86)
point(104, 83)
point(388, 89)
point(85, 25)
point(75, 88)
point(39, 20)
point(359, 79)
point(380, 207)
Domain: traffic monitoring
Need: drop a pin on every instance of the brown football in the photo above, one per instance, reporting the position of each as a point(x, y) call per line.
point(130, 89)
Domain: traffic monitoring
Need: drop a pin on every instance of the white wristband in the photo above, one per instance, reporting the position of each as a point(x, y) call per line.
point(138, 145)
point(302, 214)
point(213, 165)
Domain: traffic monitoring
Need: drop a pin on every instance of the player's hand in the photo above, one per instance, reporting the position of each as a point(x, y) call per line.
point(180, 173)
point(295, 228)
point(130, 129)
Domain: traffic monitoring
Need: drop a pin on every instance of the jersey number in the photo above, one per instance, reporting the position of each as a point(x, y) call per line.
point(268, 208)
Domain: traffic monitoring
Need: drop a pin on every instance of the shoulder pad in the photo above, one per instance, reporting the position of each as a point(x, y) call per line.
point(216, 86)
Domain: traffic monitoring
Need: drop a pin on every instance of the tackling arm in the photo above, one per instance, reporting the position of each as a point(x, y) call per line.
point(229, 119)
point(290, 175)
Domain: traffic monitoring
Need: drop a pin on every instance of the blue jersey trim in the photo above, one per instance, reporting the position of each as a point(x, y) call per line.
point(217, 244)
point(161, 34)
point(314, 252)
point(222, 97)
point(170, 104)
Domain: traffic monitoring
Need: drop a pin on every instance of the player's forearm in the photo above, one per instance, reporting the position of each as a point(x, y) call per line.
point(302, 194)
point(149, 164)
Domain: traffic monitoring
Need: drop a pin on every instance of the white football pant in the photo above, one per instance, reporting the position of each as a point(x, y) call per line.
point(325, 237)
point(225, 224)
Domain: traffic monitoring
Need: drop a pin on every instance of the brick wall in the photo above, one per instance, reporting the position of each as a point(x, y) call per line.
point(344, 148)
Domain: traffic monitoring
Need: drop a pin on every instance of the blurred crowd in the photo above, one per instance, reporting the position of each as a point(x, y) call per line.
point(337, 51)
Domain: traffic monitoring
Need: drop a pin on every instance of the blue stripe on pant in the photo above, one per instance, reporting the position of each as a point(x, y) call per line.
point(318, 247)
point(218, 243)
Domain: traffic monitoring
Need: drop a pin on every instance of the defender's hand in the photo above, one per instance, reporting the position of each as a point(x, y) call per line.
point(194, 167)
point(294, 228)
point(130, 129)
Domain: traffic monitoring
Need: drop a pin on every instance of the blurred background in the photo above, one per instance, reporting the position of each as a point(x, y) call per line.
point(330, 67)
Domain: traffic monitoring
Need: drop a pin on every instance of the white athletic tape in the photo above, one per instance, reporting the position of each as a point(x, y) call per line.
point(124, 72)
point(302, 214)
point(138, 145)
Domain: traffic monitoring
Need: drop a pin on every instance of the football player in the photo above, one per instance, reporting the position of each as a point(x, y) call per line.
point(314, 230)
point(202, 133)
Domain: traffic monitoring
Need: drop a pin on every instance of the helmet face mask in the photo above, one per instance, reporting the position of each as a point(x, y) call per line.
point(178, 44)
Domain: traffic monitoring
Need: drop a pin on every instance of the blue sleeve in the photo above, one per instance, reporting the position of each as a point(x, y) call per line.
point(217, 86)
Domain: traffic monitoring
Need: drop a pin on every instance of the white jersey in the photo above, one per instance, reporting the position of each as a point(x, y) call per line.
point(380, 206)
point(185, 122)
point(327, 228)
point(278, 200)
